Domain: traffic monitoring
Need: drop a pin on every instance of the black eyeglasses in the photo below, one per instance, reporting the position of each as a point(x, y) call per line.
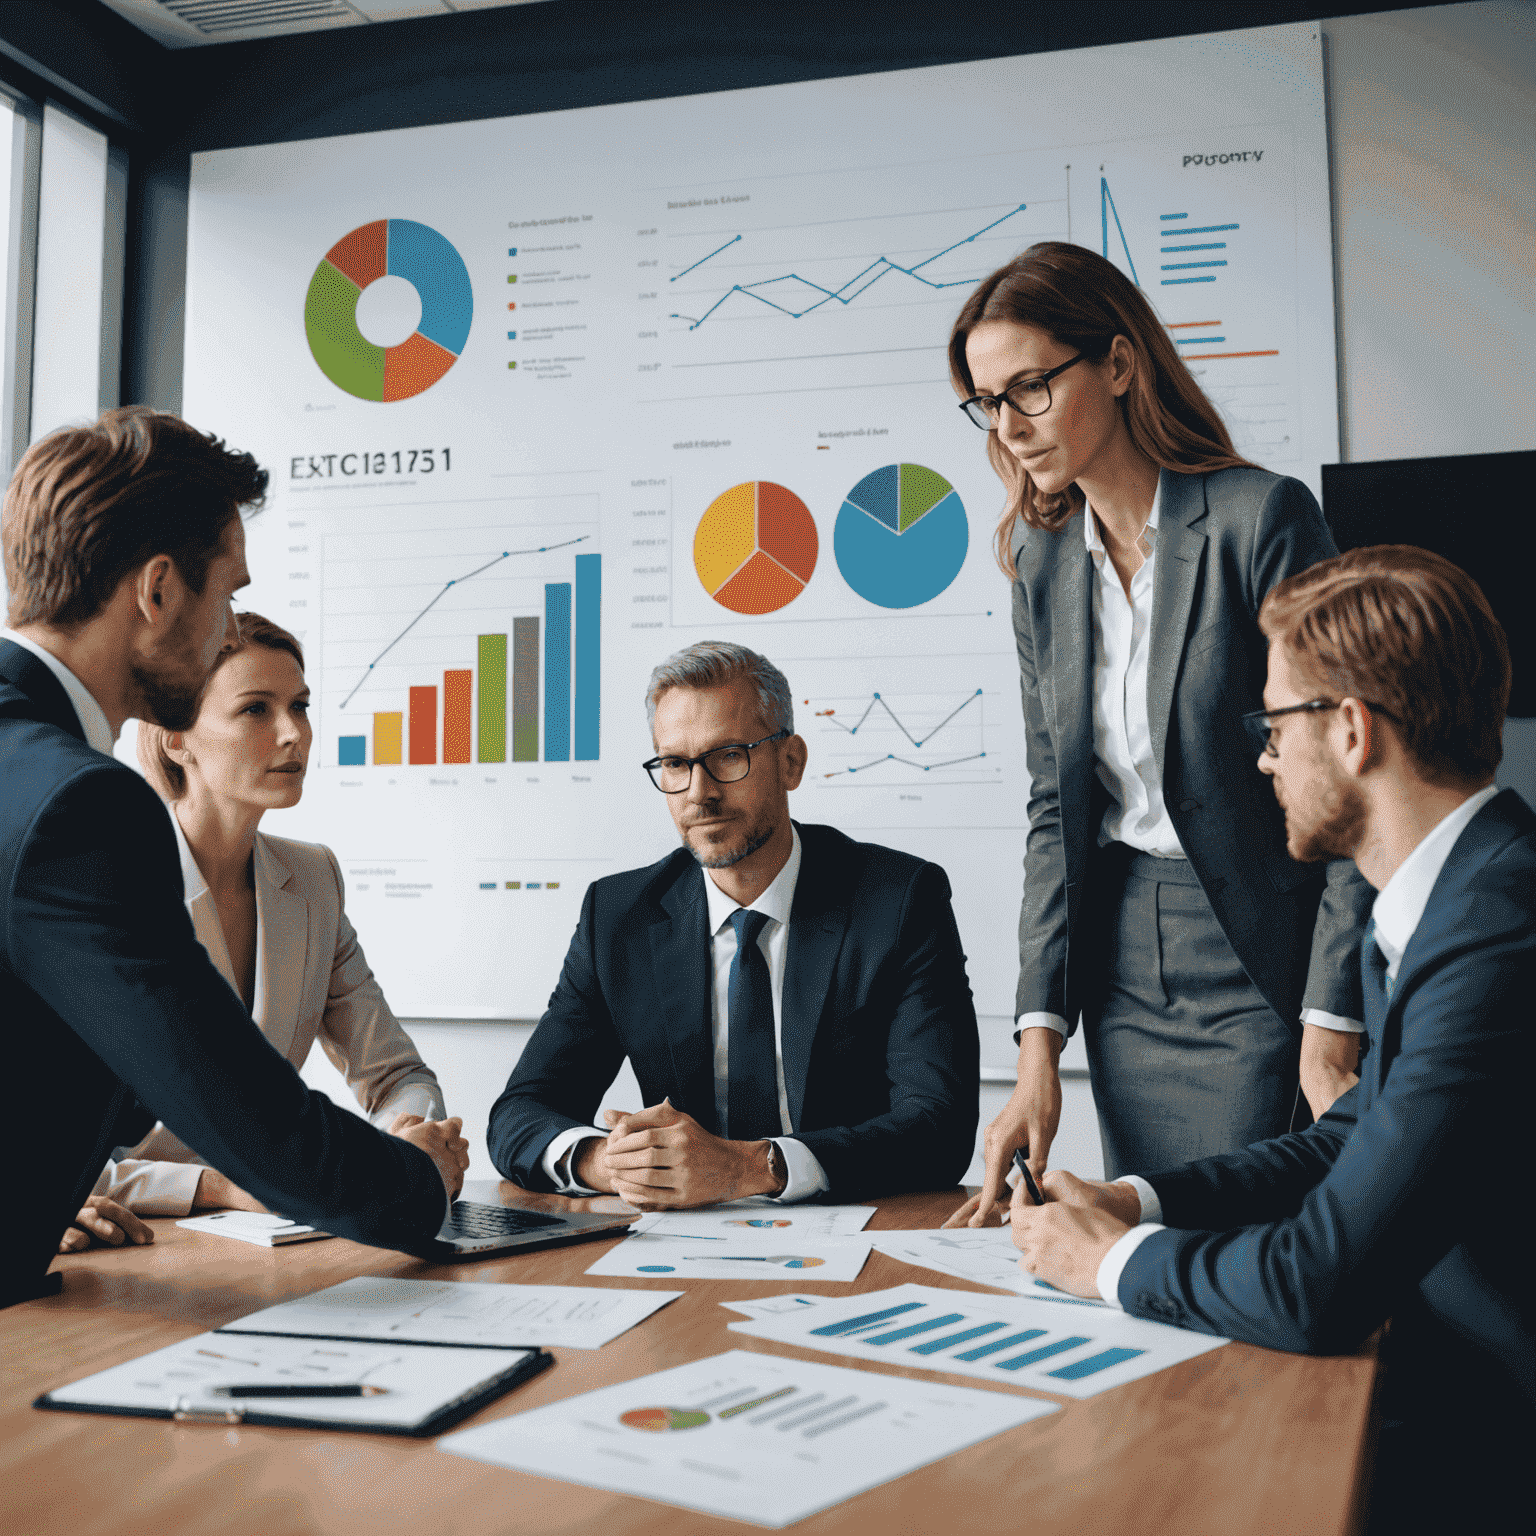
point(725, 765)
point(1029, 397)
point(1260, 723)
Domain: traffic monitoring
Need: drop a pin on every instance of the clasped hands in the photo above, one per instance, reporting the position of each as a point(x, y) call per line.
point(662, 1159)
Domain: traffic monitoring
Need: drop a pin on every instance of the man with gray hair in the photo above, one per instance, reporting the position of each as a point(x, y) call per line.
point(794, 1004)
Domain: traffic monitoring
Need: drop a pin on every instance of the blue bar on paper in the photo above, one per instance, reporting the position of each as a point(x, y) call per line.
point(1099, 1362)
point(352, 751)
point(1173, 215)
point(1204, 229)
point(589, 597)
point(933, 1346)
point(1198, 341)
point(869, 1319)
point(1184, 266)
point(923, 1327)
point(1174, 282)
point(992, 1349)
point(1043, 1353)
point(557, 672)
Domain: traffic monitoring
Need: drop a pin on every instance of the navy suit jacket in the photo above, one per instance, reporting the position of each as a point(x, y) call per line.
point(1398, 1202)
point(878, 1028)
point(121, 1019)
point(1223, 540)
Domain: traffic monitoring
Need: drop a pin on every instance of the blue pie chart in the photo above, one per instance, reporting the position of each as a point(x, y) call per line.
point(901, 536)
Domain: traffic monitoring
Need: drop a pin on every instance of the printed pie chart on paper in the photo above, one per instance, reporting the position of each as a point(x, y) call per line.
point(901, 536)
point(755, 547)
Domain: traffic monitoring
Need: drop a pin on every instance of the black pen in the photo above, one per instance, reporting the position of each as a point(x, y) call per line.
point(1029, 1183)
point(357, 1389)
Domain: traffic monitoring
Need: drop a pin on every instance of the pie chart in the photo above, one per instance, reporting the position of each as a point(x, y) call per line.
point(755, 547)
point(388, 248)
point(901, 536)
point(659, 1420)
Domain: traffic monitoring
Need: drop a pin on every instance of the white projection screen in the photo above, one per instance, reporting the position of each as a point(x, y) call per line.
point(546, 398)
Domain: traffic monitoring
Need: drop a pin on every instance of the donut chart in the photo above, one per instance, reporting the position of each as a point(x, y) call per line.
point(755, 547)
point(395, 248)
point(901, 536)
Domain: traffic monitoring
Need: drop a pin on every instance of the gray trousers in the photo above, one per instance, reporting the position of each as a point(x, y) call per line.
point(1187, 1058)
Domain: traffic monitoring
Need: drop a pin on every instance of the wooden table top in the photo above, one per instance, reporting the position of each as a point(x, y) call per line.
point(1240, 1439)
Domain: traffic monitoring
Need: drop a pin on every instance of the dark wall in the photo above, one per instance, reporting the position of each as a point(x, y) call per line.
point(166, 104)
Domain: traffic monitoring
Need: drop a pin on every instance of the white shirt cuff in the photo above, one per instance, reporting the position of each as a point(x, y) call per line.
point(805, 1174)
point(1040, 1021)
point(1151, 1206)
point(412, 1098)
point(1332, 1021)
point(566, 1184)
point(150, 1188)
point(1113, 1262)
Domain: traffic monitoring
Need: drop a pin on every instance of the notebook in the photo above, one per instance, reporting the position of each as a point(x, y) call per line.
point(257, 1227)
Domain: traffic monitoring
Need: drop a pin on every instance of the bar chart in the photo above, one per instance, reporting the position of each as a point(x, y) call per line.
point(461, 653)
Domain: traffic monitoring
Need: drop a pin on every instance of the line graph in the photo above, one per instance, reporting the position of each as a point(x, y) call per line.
point(860, 283)
point(905, 728)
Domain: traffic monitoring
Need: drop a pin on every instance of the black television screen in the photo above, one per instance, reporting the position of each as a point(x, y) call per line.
point(1466, 508)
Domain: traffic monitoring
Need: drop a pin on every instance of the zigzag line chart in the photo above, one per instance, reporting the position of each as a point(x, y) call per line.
point(852, 732)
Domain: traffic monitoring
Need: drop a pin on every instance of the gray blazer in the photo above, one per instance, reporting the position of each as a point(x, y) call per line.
point(1223, 540)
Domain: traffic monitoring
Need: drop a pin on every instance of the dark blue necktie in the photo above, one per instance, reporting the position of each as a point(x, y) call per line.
point(752, 1097)
point(1378, 985)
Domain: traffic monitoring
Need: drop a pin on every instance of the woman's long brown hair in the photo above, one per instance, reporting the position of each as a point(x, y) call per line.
point(1084, 302)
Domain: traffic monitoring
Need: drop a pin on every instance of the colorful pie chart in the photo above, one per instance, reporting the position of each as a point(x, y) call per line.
point(392, 248)
point(901, 536)
point(659, 1420)
point(755, 547)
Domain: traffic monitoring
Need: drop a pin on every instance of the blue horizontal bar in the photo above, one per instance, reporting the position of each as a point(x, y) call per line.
point(1173, 215)
point(923, 1327)
point(1197, 341)
point(1173, 282)
point(1207, 229)
point(1186, 266)
point(853, 1324)
point(1043, 1353)
point(933, 1346)
point(1094, 1363)
point(992, 1349)
point(1207, 245)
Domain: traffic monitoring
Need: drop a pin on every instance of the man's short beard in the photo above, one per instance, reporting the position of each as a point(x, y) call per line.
point(724, 858)
point(166, 699)
point(1335, 828)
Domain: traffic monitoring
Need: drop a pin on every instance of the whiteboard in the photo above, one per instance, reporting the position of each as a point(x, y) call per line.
point(546, 398)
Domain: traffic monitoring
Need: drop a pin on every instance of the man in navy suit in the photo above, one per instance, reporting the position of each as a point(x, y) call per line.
point(796, 1010)
point(123, 545)
point(1388, 680)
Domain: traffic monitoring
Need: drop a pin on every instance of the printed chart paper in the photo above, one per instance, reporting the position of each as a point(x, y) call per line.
point(754, 1256)
point(986, 1256)
point(741, 1218)
point(772, 1306)
point(1000, 1339)
point(747, 1436)
point(460, 1312)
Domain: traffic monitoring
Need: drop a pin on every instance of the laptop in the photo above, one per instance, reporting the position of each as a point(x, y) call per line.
point(484, 1222)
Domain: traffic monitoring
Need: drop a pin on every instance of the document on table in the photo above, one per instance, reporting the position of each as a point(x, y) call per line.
point(999, 1339)
point(747, 1436)
point(772, 1306)
point(740, 1218)
point(460, 1312)
point(259, 1227)
point(751, 1256)
point(985, 1255)
point(419, 1384)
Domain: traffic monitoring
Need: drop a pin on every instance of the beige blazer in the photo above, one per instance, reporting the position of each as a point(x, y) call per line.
point(312, 983)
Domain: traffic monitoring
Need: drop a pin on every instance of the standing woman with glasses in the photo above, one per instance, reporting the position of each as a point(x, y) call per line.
point(1209, 967)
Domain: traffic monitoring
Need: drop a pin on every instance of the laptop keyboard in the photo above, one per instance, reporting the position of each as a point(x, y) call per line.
point(471, 1219)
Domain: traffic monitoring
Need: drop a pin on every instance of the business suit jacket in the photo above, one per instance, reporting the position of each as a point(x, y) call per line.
point(1398, 1201)
point(121, 1018)
point(312, 982)
point(878, 1028)
point(1223, 540)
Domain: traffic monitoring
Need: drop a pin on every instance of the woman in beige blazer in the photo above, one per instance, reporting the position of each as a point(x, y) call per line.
point(269, 912)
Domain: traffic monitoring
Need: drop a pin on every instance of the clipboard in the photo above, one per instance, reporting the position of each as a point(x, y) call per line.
point(427, 1388)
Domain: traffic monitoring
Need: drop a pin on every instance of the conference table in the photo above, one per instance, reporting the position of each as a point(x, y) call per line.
point(1240, 1439)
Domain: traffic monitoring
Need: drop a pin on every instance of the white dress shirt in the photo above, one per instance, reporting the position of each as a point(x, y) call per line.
point(93, 720)
point(1122, 726)
point(1396, 912)
point(805, 1174)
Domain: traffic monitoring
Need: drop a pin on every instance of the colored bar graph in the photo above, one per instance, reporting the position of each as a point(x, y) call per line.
point(557, 672)
point(868, 1320)
point(352, 751)
point(1056, 1347)
point(588, 626)
point(933, 1346)
point(493, 698)
point(458, 690)
point(424, 725)
point(1095, 1363)
point(941, 1321)
point(525, 690)
point(386, 737)
point(983, 1350)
